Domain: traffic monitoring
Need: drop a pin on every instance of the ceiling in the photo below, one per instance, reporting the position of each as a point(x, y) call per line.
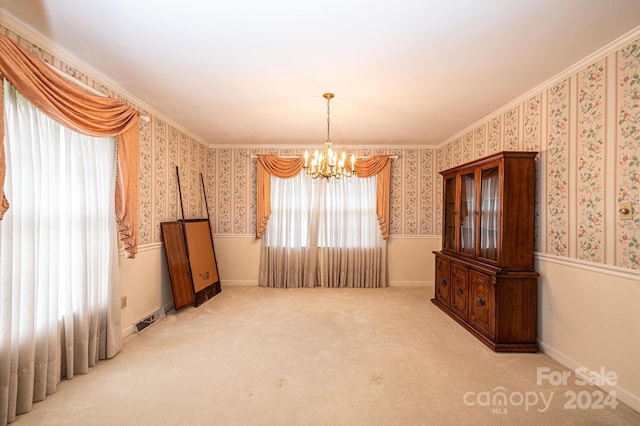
point(404, 72)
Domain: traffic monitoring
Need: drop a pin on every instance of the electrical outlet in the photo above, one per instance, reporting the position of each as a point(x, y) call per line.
point(123, 302)
point(625, 210)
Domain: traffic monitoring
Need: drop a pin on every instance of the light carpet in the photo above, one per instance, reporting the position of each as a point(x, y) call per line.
point(259, 356)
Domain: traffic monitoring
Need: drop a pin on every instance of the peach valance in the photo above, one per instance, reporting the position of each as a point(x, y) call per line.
point(379, 165)
point(83, 112)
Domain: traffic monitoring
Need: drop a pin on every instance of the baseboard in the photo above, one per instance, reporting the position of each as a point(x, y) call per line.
point(620, 394)
point(238, 283)
point(128, 331)
point(411, 283)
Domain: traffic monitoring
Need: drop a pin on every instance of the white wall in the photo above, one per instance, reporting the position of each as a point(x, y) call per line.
point(145, 283)
point(410, 260)
point(589, 317)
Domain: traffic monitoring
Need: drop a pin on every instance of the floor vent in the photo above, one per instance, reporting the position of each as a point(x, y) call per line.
point(151, 319)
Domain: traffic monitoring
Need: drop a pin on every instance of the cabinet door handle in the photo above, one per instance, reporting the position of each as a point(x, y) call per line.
point(459, 290)
point(443, 282)
point(480, 301)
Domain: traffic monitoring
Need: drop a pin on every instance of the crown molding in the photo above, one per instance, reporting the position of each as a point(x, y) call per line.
point(319, 144)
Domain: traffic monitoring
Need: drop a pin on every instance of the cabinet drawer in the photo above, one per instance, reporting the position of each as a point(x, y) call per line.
point(460, 290)
point(443, 278)
point(482, 303)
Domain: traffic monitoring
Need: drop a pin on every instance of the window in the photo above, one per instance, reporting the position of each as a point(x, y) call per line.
point(341, 213)
point(323, 233)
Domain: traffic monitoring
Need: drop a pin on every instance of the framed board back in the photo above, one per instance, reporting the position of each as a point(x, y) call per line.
point(202, 259)
point(191, 261)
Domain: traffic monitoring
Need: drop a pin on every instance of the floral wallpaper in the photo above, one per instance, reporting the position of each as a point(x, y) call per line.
point(531, 141)
point(557, 200)
point(146, 185)
point(494, 135)
point(591, 162)
point(440, 165)
point(232, 180)
point(532, 124)
point(171, 164)
point(426, 184)
point(479, 139)
point(467, 147)
point(456, 149)
point(512, 129)
point(628, 154)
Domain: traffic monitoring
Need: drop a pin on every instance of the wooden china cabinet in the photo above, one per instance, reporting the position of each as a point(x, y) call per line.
point(485, 277)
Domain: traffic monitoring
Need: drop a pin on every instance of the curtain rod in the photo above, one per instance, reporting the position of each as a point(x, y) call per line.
point(394, 156)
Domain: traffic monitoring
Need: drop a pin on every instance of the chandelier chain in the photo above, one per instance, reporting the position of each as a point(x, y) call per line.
point(328, 119)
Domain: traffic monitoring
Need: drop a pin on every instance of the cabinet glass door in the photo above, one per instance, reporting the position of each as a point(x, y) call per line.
point(449, 214)
point(467, 208)
point(489, 204)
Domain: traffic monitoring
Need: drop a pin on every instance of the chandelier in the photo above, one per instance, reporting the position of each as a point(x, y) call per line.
point(328, 164)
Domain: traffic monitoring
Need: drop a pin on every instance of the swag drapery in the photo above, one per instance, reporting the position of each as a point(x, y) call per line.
point(331, 235)
point(379, 165)
point(85, 113)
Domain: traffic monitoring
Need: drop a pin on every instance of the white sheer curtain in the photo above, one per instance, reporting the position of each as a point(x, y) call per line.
point(288, 256)
point(59, 290)
point(489, 217)
point(323, 234)
point(467, 234)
